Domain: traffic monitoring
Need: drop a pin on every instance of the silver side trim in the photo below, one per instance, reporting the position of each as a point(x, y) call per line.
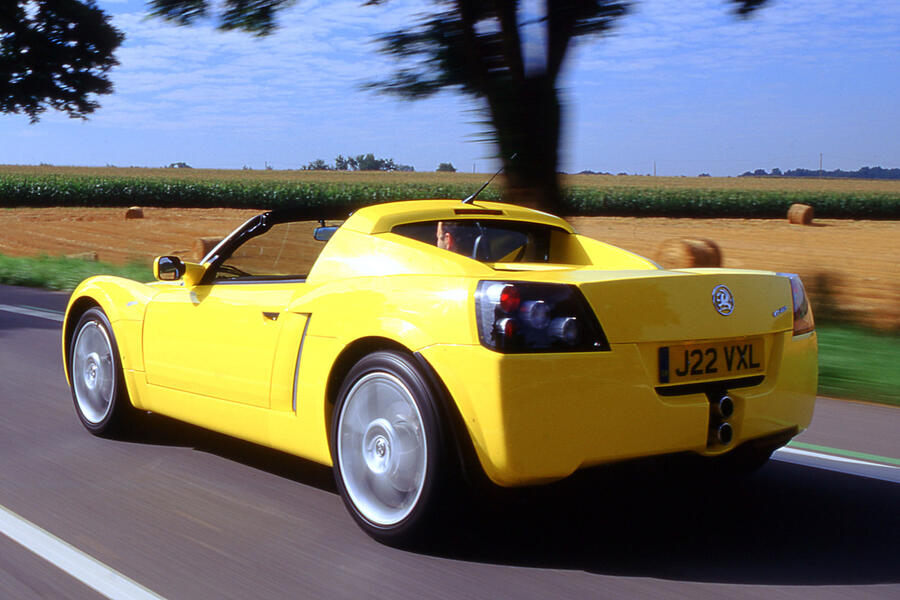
point(297, 368)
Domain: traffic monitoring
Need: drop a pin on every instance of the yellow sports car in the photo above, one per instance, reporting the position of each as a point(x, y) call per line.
point(422, 344)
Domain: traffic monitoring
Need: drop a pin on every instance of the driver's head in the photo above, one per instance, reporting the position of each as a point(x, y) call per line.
point(451, 235)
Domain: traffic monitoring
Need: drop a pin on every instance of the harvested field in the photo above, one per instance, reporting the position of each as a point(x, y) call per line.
point(850, 267)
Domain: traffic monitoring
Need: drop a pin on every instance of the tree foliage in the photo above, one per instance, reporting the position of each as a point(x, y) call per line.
point(360, 162)
point(255, 16)
point(56, 54)
point(861, 173)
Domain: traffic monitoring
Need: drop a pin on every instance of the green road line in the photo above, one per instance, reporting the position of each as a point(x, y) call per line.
point(847, 453)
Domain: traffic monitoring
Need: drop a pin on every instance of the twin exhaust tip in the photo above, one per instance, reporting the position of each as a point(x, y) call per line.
point(722, 409)
point(724, 434)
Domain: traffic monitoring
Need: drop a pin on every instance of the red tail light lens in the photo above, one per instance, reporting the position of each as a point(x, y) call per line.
point(803, 316)
point(515, 317)
point(510, 299)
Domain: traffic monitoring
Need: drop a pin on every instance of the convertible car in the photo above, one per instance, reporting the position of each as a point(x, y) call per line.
point(423, 345)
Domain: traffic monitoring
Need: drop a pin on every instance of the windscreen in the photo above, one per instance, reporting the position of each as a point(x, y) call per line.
point(485, 240)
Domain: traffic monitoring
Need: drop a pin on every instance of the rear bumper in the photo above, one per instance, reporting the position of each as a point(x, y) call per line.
point(537, 418)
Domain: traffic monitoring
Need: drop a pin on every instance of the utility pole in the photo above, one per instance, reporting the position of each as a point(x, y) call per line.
point(820, 164)
point(654, 168)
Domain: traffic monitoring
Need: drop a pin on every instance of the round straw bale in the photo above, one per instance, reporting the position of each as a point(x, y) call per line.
point(800, 214)
point(678, 253)
point(135, 212)
point(202, 247)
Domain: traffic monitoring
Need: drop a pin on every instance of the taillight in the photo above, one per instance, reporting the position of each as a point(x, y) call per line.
point(803, 317)
point(536, 317)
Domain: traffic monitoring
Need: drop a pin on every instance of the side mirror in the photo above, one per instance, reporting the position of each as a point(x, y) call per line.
point(172, 268)
point(323, 234)
point(168, 268)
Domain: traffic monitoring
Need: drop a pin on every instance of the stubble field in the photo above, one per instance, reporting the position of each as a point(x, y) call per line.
point(849, 267)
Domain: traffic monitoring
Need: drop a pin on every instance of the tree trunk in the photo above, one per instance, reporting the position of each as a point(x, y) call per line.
point(527, 119)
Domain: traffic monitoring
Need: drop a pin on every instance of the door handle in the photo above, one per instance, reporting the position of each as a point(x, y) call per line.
point(272, 316)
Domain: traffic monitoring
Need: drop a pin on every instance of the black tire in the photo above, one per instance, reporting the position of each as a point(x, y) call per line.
point(390, 450)
point(95, 372)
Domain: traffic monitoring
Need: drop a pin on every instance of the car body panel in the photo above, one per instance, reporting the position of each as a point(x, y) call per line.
point(261, 359)
point(216, 340)
point(382, 218)
point(549, 416)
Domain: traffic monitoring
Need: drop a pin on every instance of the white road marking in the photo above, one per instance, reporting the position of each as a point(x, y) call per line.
point(50, 315)
point(833, 458)
point(839, 464)
point(73, 561)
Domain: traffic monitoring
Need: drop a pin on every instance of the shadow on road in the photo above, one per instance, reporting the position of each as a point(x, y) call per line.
point(149, 428)
point(785, 525)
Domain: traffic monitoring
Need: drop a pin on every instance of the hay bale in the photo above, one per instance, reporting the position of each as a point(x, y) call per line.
point(800, 214)
point(135, 212)
point(680, 253)
point(202, 247)
point(88, 256)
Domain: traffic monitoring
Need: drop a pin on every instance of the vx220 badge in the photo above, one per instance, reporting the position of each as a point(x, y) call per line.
point(723, 300)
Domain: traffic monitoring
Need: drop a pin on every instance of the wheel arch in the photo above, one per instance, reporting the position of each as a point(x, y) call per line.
point(76, 308)
point(349, 356)
point(123, 301)
point(462, 448)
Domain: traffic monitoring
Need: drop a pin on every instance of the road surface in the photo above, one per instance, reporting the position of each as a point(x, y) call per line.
point(180, 512)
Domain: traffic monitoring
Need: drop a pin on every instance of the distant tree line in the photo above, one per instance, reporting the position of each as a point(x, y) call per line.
point(863, 173)
point(360, 162)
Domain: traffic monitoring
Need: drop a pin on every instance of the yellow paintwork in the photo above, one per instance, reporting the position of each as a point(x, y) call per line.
point(208, 355)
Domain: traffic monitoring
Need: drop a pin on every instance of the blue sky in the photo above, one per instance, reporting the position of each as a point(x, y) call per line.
point(684, 84)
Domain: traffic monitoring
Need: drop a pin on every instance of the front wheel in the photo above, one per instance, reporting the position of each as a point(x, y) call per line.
point(95, 370)
point(388, 446)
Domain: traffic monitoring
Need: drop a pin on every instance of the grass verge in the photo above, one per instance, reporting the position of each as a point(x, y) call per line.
point(61, 273)
point(854, 362)
point(859, 363)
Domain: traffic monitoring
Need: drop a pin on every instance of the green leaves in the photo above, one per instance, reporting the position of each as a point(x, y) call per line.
point(255, 16)
point(333, 200)
point(662, 202)
point(55, 54)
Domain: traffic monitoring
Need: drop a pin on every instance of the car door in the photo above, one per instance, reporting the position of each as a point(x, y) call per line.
point(218, 339)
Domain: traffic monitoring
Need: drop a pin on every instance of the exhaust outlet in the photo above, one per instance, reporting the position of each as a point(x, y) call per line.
point(723, 407)
point(724, 434)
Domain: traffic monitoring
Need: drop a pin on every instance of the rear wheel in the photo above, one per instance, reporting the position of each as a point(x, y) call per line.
point(95, 370)
point(389, 448)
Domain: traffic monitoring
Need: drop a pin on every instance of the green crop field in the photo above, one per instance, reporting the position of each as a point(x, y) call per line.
point(342, 190)
point(788, 185)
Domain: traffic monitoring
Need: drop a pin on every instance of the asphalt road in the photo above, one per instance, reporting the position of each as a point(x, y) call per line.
point(191, 514)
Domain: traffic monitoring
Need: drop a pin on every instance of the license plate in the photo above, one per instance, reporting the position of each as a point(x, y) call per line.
point(714, 360)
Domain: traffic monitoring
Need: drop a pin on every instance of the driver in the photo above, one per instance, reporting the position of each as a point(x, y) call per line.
point(453, 235)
